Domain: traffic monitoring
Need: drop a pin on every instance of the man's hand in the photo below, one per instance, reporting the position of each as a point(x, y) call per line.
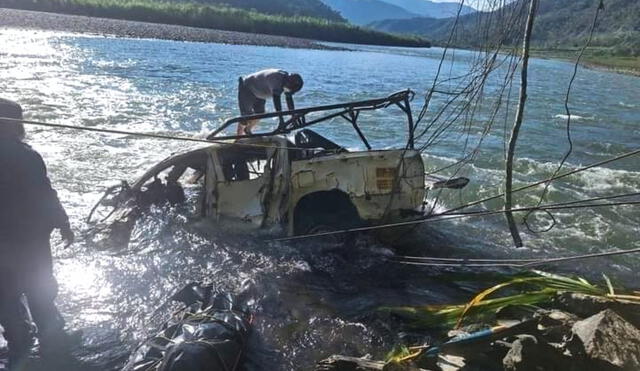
point(67, 236)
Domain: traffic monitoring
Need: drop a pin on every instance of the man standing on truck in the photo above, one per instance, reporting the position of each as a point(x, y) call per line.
point(255, 89)
point(29, 211)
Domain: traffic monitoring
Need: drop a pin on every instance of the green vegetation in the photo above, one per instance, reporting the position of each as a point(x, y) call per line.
point(538, 289)
point(218, 17)
point(561, 28)
point(595, 57)
point(309, 8)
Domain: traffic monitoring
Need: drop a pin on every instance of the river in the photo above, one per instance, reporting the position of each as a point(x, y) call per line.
point(309, 302)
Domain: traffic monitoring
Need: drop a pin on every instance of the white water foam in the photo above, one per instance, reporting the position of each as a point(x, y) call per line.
point(573, 117)
point(627, 105)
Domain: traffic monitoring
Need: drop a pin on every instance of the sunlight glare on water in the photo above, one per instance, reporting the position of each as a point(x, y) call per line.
point(309, 302)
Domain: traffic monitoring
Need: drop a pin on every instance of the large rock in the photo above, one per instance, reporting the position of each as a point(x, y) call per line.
point(586, 305)
point(528, 353)
point(554, 326)
point(610, 342)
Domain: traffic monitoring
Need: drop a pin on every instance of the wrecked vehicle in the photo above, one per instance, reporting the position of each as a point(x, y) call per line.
point(301, 185)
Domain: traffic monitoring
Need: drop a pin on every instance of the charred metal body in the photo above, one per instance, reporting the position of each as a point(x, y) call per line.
point(265, 180)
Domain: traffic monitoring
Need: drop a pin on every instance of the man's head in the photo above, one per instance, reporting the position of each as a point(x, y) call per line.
point(11, 129)
point(293, 83)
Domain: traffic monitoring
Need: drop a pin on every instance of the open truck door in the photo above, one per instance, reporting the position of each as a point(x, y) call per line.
point(252, 181)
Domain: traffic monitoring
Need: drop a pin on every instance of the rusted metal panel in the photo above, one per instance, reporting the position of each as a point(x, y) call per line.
point(369, 178)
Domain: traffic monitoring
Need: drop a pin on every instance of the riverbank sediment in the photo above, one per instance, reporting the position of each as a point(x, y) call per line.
point(24, 19)
point(612, 63)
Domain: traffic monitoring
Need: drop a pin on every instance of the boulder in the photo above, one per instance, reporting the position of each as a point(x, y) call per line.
point(586, 305)
point(610, 342)
point(554, 326)
point(529, 353)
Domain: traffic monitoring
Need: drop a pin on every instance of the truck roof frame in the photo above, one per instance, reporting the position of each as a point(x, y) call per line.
point(297, 119)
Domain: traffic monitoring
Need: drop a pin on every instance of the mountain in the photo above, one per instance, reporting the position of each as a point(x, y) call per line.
point(425, 8)
point(362, 12)
point(307, 8)
point(434, 27)
point(559, 24)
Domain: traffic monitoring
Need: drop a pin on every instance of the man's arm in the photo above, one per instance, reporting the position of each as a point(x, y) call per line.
point(49, 201)
point(277, 102)
point(290, 105)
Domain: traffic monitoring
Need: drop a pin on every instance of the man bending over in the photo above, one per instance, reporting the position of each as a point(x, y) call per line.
point(255, 89)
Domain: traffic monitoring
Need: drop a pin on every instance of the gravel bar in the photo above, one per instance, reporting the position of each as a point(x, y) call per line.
point(24, 19)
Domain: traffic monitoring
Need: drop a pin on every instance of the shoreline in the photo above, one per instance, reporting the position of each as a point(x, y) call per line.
point(589, 60)
point(33, 20)
point(609, 68)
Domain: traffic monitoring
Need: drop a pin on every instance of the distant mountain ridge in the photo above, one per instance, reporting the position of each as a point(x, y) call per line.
point(559, 24)
point(362, 12)
point(431, 9)
point(367, 11)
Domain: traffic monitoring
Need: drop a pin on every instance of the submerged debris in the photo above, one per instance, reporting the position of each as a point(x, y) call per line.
point(210, 333)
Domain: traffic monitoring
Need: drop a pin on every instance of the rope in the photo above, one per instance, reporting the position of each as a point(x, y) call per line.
point(145, 135)
point(513, 263)
point(444, 216)
point(578, 170)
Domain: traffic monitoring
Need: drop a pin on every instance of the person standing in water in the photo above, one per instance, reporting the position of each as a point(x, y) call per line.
point(255, 89)
point(29, 211)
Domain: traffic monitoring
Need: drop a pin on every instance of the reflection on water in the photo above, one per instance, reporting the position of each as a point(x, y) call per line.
point(309, 301)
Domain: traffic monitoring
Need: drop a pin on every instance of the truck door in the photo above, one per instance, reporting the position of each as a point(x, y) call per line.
point(241, 181)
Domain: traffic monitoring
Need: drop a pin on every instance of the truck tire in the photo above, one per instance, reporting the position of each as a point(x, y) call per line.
point(316, 218)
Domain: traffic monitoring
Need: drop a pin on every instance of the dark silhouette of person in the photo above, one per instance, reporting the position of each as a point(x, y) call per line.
point(29, 211)
point(255, 89)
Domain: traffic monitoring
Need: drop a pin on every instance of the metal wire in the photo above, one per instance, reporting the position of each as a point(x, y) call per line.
point(575, 171)
point(442, 217)
point(147, 135)
point(513, 263)
point(566, 103)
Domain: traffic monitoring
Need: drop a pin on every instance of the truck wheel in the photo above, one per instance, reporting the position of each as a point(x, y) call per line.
point(327, 211)
point(326, 223)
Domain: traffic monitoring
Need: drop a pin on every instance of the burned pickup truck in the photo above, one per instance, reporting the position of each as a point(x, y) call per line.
point(290, 179)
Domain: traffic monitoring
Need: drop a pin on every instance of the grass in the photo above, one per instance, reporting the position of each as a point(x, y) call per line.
point(219, 17)
point(531, 290)
point(538, 288)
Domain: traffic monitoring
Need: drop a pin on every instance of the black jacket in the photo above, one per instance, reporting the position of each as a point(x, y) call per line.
point(29, 206)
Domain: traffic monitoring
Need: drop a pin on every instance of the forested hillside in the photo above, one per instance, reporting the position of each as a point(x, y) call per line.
point(560, 24)
point(219, 17)
point(307, 8)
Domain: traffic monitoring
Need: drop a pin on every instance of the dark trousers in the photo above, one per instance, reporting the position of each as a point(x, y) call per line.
point(26, 269)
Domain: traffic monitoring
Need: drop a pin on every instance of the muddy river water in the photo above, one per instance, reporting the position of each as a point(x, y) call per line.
point(309, 301)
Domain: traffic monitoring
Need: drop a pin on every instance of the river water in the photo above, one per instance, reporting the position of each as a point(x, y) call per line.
point(310, 302)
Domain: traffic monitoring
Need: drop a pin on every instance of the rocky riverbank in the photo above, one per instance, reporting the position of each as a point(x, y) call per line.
point(576, 332)
point(23, 19)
